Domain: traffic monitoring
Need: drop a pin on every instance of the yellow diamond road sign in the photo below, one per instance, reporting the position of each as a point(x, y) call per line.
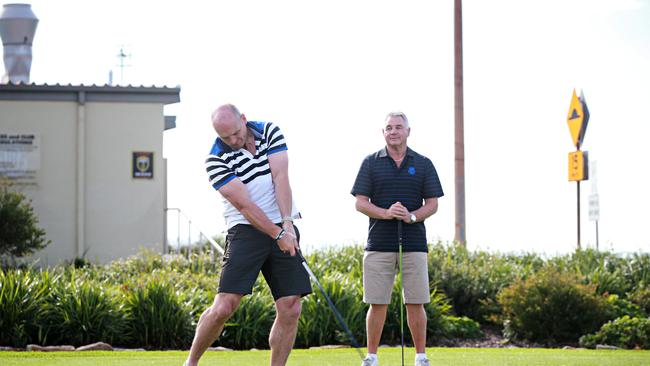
point(578, 118)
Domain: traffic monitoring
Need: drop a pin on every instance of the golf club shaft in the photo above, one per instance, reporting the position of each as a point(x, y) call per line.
point(401, 287)
point(331, 305)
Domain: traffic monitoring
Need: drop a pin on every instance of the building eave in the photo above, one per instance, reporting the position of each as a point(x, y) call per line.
point(90, 93)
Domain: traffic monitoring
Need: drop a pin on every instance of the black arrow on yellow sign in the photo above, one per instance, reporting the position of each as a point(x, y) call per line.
point(577, 118)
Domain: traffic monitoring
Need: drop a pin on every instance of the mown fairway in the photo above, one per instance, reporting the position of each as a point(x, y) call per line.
point(340, 357)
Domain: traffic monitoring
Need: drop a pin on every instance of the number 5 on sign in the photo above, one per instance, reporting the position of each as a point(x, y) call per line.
point(578, 163)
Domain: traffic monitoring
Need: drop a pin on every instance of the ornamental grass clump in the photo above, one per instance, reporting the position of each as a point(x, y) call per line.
point(156, 317)
point(318, 325)
point(80, 312)
point(251, 323)
point(22, 296)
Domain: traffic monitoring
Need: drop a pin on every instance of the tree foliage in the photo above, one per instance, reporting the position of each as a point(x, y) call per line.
point(20, 234)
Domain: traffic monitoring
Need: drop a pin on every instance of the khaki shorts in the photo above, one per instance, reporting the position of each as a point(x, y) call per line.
point(379, 273)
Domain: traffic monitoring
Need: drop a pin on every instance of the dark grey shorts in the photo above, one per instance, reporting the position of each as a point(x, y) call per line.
point(247, 252)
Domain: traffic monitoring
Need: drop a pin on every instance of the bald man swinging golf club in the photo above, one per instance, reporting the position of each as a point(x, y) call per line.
point(248, 165)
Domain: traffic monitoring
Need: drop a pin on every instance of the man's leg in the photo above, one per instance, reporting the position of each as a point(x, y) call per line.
point(417, 321)
point(211, 324)
point(375, 325)
point(283, 333)
point(379, 269)
point(416, 293)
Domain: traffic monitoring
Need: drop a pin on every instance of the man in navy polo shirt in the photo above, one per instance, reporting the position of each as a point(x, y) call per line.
point(396, 184)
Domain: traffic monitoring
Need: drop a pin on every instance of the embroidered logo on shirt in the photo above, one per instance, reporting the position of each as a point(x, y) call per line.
point(412, 170)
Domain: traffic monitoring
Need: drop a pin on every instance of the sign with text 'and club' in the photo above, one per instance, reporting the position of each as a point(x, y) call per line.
point(20, 158)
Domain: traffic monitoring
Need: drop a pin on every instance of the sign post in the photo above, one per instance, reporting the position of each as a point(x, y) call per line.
point(578, 160)
point(594, 208)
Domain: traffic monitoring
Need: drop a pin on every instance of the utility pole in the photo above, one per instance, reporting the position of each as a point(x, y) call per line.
point(459, 130)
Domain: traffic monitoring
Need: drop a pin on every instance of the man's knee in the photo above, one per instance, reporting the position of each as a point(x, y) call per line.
point(288, 308)
point(222, 309)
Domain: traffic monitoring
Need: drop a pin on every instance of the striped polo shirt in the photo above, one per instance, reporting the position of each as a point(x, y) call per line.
point(380, 179)
point(225, 164)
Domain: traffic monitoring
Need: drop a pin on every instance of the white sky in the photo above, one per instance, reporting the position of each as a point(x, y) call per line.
point(328, 71)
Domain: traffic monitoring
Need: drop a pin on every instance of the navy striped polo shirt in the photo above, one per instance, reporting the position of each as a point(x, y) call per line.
point(381, 180)
point(225, 164)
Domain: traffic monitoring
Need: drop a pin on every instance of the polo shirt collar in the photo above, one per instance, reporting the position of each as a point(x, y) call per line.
point(383, 153)
point(251, 127)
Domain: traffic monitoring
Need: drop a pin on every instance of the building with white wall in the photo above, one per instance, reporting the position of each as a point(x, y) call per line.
point(90, 159)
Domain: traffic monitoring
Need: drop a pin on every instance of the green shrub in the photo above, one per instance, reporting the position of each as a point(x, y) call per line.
point(161, 296)
point(461, 327)
point(156, 318)
point(552, 307)
point(437, 311)
point(19, 231)
point(625, 332)
point(608, 281)
point(637, 270)
point(439, 322)
point(318, 325)
point(250, 325)
point(620, 307)
point(82, 312)
point(641, 297)
point(472, 280)
point(348, 260)
point(198, 292)
point(22, 295)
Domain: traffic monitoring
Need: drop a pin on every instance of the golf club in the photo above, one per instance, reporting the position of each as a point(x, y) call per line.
point(401, 287)
point(331, 305)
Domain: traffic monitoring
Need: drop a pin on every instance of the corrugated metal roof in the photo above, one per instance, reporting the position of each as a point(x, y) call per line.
point(90, 93)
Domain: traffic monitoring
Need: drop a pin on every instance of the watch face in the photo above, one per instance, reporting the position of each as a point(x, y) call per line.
point(413, 218)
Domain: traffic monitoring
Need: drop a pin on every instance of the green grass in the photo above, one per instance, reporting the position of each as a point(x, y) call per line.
point(339, 357)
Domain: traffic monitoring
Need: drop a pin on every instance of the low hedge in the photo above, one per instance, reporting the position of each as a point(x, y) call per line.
point(154, 301)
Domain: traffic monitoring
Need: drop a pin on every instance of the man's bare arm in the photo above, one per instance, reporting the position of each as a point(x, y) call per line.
point(279, 163)
point(371, 210)
point(235, 192)
point(429, 208)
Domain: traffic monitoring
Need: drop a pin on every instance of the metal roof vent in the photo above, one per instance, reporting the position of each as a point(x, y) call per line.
point(17, 27)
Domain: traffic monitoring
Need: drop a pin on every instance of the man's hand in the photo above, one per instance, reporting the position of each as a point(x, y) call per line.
point(399, 212)
point(288, 227)
point(288, 243)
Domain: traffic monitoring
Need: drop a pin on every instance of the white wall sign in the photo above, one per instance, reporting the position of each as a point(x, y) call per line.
point(20, 157)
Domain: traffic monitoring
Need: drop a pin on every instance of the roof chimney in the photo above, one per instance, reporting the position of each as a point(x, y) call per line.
point(17, 28)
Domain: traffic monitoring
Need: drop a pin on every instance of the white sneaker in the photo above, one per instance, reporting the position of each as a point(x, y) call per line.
point(422, 362)
point(369, 361)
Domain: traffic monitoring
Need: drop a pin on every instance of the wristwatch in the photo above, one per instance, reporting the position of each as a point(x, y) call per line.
point(413, 219)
